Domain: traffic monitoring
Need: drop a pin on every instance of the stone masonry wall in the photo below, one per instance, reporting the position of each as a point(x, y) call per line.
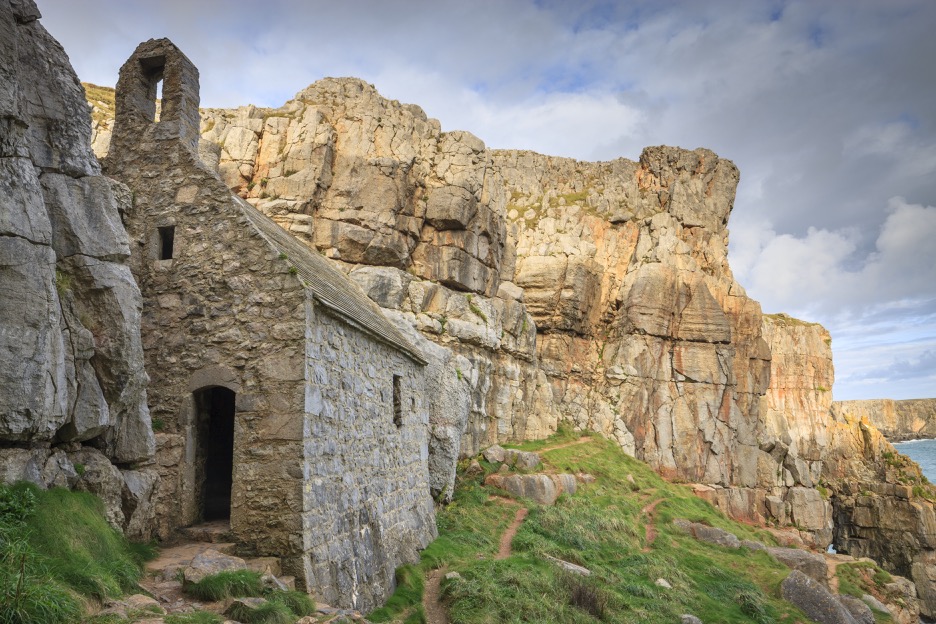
point(367, 508)
point(223, 311)
point(323, 477)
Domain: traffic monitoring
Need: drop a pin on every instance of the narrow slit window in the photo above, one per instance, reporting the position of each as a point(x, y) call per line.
point(166, 242)
point(397, 401)
point(159, 88)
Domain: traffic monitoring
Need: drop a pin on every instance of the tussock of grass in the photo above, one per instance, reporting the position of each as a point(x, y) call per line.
point(56, 548)
point(267, 613)
point(298, 602)
point(227, 584)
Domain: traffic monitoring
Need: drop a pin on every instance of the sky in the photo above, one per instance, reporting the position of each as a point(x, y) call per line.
point(828, 107)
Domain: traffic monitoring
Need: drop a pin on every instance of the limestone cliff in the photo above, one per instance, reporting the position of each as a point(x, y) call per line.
point(911, 419)
point(594, 292)
point(868, 500)
point(71, 361)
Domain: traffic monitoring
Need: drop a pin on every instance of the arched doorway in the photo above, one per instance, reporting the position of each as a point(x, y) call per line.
point(215, 438)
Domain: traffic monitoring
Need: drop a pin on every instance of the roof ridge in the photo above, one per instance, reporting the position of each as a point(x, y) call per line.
point(328, 285)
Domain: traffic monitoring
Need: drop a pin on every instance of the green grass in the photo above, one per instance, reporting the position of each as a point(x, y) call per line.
point(601, 527)
point(297, 602)
point(46, 573)
point(267, 613)
point(227, 584)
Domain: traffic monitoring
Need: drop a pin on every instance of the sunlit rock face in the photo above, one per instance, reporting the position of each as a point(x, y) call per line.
point(911, 419)
point(594, 292)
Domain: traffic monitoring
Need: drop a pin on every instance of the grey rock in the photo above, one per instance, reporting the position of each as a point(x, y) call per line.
point(138, 502)
point(661, 582)
point(100, 477)
point(58, 471)
point(450, 208)
point(523, 460)
point(812, 564)
point(71, 365)
point(19, 464)
point(210, 562)
point(566, 482)
point(539, 488)
point(387, 286)
point(568, 566)
point(860, 611)
point(240, 607)
point(714, 535)
point(494, 454)
point(689, 619)
point(874, 603)
point(814, 600)
point(751, 545)
point(453, 576)
point(509, 290)
point(271, 583)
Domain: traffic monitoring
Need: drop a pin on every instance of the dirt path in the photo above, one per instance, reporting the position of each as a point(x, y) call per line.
point(650, 532)
point(834, 562)
point(507, 538)
point(581, 440)
point(432, 598)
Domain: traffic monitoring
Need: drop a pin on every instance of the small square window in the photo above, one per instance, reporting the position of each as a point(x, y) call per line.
point(166, 242)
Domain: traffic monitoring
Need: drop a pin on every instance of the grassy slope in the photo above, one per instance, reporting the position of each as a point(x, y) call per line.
point(602, 528)
point(57, 552)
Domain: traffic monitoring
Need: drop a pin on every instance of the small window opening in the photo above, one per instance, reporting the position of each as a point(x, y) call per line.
point(166, 242)
point(159, 88)
point(397, 401)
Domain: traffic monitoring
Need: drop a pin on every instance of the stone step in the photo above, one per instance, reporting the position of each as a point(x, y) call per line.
point(262, 564)
point(173, 559)
point(212, 532)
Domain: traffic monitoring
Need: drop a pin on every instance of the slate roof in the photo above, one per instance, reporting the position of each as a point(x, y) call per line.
point(329, 286)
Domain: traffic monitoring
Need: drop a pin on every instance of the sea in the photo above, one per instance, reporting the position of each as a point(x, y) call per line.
point(922, 452)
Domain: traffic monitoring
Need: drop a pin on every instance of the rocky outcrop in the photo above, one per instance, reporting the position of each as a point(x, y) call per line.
point(911, 419)
point(71, 361)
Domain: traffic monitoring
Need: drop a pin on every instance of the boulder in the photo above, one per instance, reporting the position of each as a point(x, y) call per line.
point(874, 603)
point(569, 567)
point(858, 609)
point(522, 460)
point(211, 562)
point(494, 454)
point(809, 563)
point(714, 535)
point(100, 477)
point(813, 599)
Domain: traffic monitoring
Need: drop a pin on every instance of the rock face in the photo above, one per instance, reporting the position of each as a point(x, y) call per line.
point(911, 419)
point(71, 358)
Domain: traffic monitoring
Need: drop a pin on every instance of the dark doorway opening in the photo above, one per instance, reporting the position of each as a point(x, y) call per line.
point(216, 445)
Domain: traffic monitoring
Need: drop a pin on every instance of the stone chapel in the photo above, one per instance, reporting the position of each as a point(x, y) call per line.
point(302, 408)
